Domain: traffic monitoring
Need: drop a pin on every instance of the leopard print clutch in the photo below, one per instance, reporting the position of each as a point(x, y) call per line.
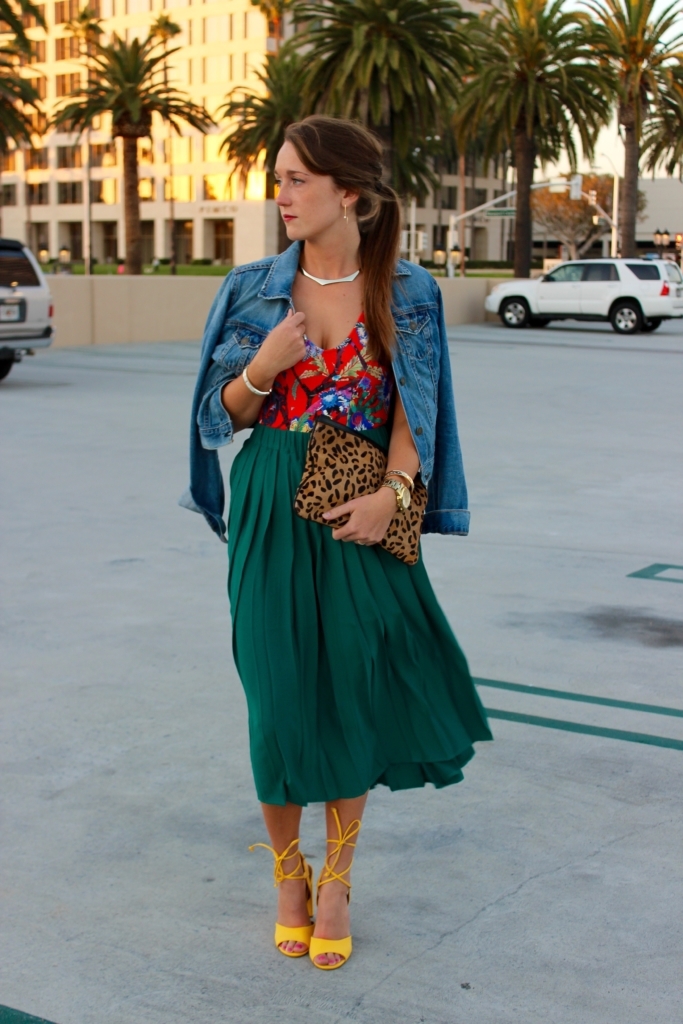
point(341, 465)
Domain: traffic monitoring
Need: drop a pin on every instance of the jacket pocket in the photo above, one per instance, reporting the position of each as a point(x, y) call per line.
point(415, 329)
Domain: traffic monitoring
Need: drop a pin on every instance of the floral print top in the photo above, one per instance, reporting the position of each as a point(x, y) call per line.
point(342, 383)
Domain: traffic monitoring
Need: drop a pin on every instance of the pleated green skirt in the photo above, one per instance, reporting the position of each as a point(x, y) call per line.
point(352, 674)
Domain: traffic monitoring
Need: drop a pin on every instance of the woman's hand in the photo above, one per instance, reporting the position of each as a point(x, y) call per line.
point(282, 348)
point(370, 517)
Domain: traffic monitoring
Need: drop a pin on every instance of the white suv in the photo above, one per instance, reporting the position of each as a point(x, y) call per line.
point(633, 294)
point(25, 305)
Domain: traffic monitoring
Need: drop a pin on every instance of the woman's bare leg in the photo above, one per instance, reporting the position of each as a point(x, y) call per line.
point(283, 827)
point(332, 919)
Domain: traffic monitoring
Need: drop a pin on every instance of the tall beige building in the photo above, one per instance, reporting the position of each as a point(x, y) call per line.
point(216, 218)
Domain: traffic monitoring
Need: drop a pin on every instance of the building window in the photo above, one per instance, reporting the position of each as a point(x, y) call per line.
point(448, 194)
point(474, 197)
point(38, 121)
point(75, 232)
point(183, 233)
point(67, 48)
point(35, 159)
point(223, 240)
point(178, 150)
point(103, 154)
point(147, 240)
point(8, 161)
point(9, 195)
point(145, 151)
point(37, 54)
point(217, 29)
point(179, 187)
point(65, 10)
point(30, 20)
point(147, 190)
point(40, 85)
point(67, 85)
point(104, 191)
point(69, 192)
point(218, 187)
point(39, 194)
point(69, 156)
point(110, 245)
point(217, 69)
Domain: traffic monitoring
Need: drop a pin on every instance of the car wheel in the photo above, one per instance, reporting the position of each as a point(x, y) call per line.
point(514, 313)
point(541, 321)
point(626, 318)
point(5, 367)
point(652, 324)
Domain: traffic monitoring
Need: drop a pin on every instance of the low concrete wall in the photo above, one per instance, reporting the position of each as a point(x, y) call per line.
point(119, 309)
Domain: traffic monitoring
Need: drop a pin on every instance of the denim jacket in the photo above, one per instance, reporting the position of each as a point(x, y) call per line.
point(253, 299)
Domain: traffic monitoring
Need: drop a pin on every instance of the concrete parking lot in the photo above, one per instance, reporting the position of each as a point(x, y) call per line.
point(546, 889)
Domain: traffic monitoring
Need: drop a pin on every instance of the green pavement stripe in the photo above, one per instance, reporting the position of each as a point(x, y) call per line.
point(654, 572)
point(10, 1016)
point(583, 698)
point(589, 730)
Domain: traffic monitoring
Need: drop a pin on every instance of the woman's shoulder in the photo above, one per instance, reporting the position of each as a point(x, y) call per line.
point(416, 283)
point(258, 266)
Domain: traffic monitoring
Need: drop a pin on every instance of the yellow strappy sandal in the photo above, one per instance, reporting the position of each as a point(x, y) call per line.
point(342, 947)
point(283, 933)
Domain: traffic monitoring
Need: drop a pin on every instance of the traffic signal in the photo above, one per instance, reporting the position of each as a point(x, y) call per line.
point(592, 197)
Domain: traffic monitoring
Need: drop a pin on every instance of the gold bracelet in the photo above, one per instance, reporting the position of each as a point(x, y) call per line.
point(399, 472)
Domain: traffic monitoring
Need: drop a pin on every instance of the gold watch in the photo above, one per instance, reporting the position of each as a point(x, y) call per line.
point(403, 497)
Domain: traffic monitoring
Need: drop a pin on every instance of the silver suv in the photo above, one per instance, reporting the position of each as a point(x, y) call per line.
point(26, 308)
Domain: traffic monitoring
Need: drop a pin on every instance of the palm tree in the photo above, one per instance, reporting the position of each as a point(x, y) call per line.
point(533, 82)
point(640, 47)
point(128, 84)
point(662, 141)
point(164, 29)
point(394, 64)
point(261, 118)
point(12, 16)
point(87, 28)
point(16, 94)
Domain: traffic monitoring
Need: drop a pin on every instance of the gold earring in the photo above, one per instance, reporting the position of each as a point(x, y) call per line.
point(346, 216)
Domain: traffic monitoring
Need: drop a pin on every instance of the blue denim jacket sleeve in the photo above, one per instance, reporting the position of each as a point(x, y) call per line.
point(210, 424)
point(447, 506)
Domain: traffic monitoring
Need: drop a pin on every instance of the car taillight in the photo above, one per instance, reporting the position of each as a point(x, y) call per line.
point(665, 288)
point(50, 311)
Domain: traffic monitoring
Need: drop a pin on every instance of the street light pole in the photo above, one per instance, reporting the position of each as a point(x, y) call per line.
point(614, 247)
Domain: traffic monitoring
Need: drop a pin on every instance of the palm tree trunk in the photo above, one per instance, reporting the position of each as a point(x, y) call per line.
point(524, 162)
point(131, 205)
point(629, 195)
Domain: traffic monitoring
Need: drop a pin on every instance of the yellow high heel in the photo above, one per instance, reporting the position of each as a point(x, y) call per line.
point(342, 947)
point(283, 933)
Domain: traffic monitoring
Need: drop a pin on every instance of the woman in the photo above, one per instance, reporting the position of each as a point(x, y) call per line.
point(351, 672)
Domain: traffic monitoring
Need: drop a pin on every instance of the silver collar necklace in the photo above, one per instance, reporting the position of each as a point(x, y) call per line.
point(323, 281)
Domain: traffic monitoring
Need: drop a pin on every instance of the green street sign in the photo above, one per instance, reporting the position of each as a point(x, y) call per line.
point(502, 211)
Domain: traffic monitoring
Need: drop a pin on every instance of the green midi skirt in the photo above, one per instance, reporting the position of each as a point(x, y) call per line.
point(351, 672)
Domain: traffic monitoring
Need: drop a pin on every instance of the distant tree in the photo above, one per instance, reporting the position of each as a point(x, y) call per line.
point(570, 221)
point(274, 12)
point(393, 64)
point(535, 83)
point(127, 82)
point(260, 118)
point(18, 95)
point(642, 47)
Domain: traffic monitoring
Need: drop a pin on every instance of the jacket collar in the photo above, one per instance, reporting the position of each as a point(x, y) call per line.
point(278, 284)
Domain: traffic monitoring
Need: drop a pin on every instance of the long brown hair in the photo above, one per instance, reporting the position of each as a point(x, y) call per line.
point(352, 156)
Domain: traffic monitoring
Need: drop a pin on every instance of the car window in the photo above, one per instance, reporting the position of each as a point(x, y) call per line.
point(600, 272)
point(673, 273)
point(644, 271)
point(567, 272)
point(15, 267)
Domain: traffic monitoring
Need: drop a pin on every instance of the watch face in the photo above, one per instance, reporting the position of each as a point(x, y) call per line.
point(405, 498)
